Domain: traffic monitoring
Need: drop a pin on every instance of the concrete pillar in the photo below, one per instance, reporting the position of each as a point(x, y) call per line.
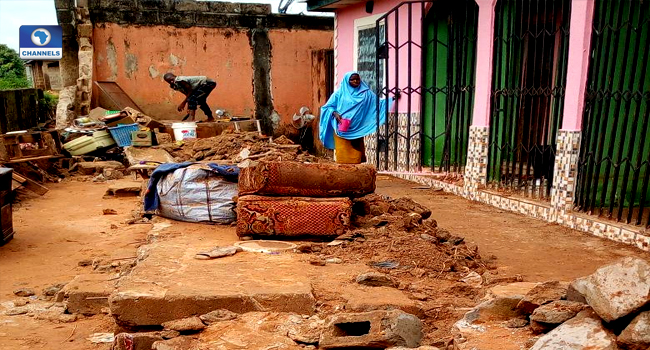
point(85, 56)
point(568, 138)
point(477, 151)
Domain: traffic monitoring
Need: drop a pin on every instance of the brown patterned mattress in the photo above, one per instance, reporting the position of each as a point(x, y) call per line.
point(308, 180)
point(292, 216)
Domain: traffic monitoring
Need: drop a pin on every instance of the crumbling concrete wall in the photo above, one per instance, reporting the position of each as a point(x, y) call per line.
point(136, 57)
point(261, 61)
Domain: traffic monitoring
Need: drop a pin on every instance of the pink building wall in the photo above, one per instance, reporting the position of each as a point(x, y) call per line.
point(579, 41)
point(344, 45)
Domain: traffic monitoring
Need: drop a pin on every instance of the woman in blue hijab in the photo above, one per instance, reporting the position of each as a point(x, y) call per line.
point(356, 102)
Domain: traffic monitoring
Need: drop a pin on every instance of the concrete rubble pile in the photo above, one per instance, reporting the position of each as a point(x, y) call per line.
point(607, 310)
point(234, 147)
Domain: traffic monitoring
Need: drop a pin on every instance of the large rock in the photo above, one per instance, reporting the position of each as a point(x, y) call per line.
point(637, 334)
point(372, 330)
point(618, 289)
point(541, 294)
point(190, 324)
point(557, 312)
point(375, 279)
point(583, 332)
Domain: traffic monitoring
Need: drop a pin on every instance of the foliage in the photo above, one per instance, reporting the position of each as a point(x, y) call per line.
point(12, 70)
point(48, 104)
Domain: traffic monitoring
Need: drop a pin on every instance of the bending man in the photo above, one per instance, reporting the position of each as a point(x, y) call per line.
point(196, 90)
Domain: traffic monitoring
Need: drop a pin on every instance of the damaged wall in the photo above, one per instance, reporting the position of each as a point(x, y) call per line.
point(262, 62)
point(136, 57)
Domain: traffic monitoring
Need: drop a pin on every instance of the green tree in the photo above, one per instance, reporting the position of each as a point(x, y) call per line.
point(12, 70)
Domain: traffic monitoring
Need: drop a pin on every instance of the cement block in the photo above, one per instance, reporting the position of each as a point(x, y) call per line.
point(372, 330)
point(88, 294)
point(140, 341)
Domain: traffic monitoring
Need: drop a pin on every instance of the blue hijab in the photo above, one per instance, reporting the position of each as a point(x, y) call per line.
point(357, 104)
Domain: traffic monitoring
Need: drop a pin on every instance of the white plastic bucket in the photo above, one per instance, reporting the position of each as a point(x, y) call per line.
point(184, 131)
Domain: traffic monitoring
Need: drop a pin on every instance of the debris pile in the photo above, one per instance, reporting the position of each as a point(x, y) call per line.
point(233, 147)
point(605, 310)
point(399, 235)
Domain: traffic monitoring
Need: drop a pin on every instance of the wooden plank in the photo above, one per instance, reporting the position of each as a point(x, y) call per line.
point(112, 97)
point(34, 186)
point(15, 185)
point(21, 160)
point(16, 177)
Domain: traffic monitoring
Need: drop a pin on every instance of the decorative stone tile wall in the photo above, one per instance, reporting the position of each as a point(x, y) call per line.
point(404, 155)
point(477, 158)
point(559, 210)
point(565, 174)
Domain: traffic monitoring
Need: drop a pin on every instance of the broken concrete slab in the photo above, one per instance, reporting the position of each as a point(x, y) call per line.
point(170, 284)
point(497, 309)
point(124, 188)
point(53, 289)
point(583, 332)
point(636, 336)
point(255, 330)
point(617, 290)
point(375, 279)
point(185, 325)
point(135, 341)
point(541, 294)
point(178, 343)
point(88, 294)
point(372, 330)
point(362, 299)
point(305, 331)
point(557, 312)
point(517, 289)
point(24, 292)
point(92, 168)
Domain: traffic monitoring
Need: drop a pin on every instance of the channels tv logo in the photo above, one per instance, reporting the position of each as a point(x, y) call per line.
point(41, 42)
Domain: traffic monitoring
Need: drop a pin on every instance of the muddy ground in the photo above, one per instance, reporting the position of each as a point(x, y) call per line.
point(57, 231)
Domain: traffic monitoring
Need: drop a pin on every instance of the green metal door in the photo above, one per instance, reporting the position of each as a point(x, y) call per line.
point(448, 94)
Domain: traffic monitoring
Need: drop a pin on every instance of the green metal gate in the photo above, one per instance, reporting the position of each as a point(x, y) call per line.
point(614, 166)
point(448, 94)
point(529, 73)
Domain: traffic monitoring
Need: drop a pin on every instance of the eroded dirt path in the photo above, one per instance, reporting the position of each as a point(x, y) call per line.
point(535, 249)
point(53, 234)
point(56, 231)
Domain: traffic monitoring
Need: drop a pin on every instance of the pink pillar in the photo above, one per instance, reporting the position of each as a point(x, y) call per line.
point(582, 13)
point(484, 48)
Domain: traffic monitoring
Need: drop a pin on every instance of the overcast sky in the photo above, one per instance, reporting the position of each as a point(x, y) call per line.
point(14, 13)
